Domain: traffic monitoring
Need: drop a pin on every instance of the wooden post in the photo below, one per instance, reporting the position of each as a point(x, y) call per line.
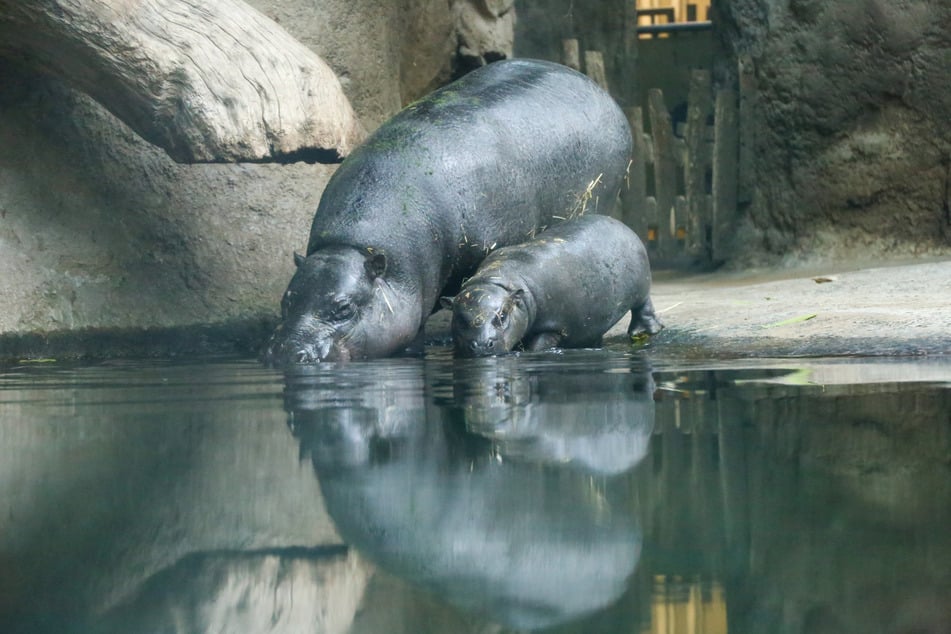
point(652, 237)
point(634, 196)
point(678, 222)
point(695, 164)
point(627, 91)
point(594, 68)
point(630, 30)
point(725, 150)
point(665, 177)
point(571, 53)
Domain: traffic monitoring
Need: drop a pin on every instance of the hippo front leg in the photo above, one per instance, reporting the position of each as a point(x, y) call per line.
point(542, 341)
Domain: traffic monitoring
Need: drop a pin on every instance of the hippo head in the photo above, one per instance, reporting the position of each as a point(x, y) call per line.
point(487, 319)
point(328, 307)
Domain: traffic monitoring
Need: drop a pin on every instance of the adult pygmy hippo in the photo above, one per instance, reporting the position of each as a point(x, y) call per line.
point(483, 162)
point(564, 289)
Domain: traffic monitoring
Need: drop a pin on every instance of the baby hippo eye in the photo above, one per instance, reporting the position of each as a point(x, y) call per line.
point(499, 319)
point(342, 311)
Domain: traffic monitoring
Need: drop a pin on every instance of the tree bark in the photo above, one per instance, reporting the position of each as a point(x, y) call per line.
point(206, 80)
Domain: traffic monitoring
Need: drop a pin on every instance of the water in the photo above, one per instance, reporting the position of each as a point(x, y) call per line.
point(590, 491)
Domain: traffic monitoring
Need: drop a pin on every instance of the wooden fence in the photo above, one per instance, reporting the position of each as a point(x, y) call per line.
point(687, 178)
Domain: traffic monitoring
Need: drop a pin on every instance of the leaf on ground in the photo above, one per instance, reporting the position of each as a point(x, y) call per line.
point(791, 320)
point(640, 338)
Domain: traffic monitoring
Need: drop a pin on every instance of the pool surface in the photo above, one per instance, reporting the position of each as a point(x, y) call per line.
point(584, 491)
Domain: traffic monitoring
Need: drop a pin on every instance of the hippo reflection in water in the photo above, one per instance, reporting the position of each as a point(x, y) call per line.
point(511, 526)
point(590, 418)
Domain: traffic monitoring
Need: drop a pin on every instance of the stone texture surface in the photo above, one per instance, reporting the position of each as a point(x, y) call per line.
point(100, 230)
point(852, 145)
point(209, 82)
point(882, 310)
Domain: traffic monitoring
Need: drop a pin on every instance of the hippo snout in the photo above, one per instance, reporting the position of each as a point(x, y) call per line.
point(484, 347)
point(302, 348)
point(308, 353)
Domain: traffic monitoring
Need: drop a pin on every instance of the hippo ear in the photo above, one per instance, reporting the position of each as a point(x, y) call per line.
point(298, 259)
point(375, 265)
point(518, 296)
point(446, 302)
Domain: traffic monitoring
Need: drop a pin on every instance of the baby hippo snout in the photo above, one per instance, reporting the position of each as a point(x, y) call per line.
point(483, 347)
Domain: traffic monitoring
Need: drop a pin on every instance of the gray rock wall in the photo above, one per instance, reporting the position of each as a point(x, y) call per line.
point(100, 230)
point(851, 137)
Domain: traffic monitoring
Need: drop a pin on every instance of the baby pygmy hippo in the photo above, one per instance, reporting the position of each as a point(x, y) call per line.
point(564, 289)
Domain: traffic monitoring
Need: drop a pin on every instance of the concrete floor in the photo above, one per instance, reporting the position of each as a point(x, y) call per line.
point(901, 309)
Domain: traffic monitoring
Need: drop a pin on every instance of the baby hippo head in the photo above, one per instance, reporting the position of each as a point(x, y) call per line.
point(487, 319)
point(325, 309)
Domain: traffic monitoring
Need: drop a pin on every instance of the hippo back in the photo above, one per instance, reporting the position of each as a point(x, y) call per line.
point(486, 161)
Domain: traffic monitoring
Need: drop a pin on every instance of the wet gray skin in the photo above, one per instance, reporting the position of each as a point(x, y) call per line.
point(488, 319)
point(487, 161)
point(334, 306)
point(564, 289)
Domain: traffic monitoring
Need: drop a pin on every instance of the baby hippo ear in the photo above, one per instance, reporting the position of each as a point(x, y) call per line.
point(518, 296)
point(375, 265)
point(298, 259)
point(446, 302)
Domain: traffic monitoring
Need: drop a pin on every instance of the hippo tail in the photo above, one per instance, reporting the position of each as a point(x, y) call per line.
point(644, 320)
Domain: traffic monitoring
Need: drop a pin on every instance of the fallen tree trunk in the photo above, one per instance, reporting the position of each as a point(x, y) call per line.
point(206, 80)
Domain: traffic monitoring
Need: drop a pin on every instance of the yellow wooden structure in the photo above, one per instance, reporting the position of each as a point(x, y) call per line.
point(668, 11)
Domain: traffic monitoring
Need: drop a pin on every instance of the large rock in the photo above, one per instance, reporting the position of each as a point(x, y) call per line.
point(852, 144)
point(101, 230)
point(215, 83)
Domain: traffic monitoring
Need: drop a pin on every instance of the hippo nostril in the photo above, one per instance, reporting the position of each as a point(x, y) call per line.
point(482, 344)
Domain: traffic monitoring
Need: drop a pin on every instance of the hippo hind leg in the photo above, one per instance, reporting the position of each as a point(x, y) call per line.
point(644, 320)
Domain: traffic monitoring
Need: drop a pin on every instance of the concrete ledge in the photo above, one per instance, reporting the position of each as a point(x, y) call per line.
point(901, 310)
point(241, 337)
point(881, 311)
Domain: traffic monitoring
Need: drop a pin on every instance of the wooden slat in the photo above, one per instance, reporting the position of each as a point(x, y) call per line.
point(594, 68)
point(571, 53)
point(652, 237)
point(636, 191)
point(678, 222)
point(696, 162)
point(665, 177)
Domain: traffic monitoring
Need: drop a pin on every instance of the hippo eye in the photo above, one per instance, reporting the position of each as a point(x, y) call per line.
point(342, 311)
point(499, 319)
